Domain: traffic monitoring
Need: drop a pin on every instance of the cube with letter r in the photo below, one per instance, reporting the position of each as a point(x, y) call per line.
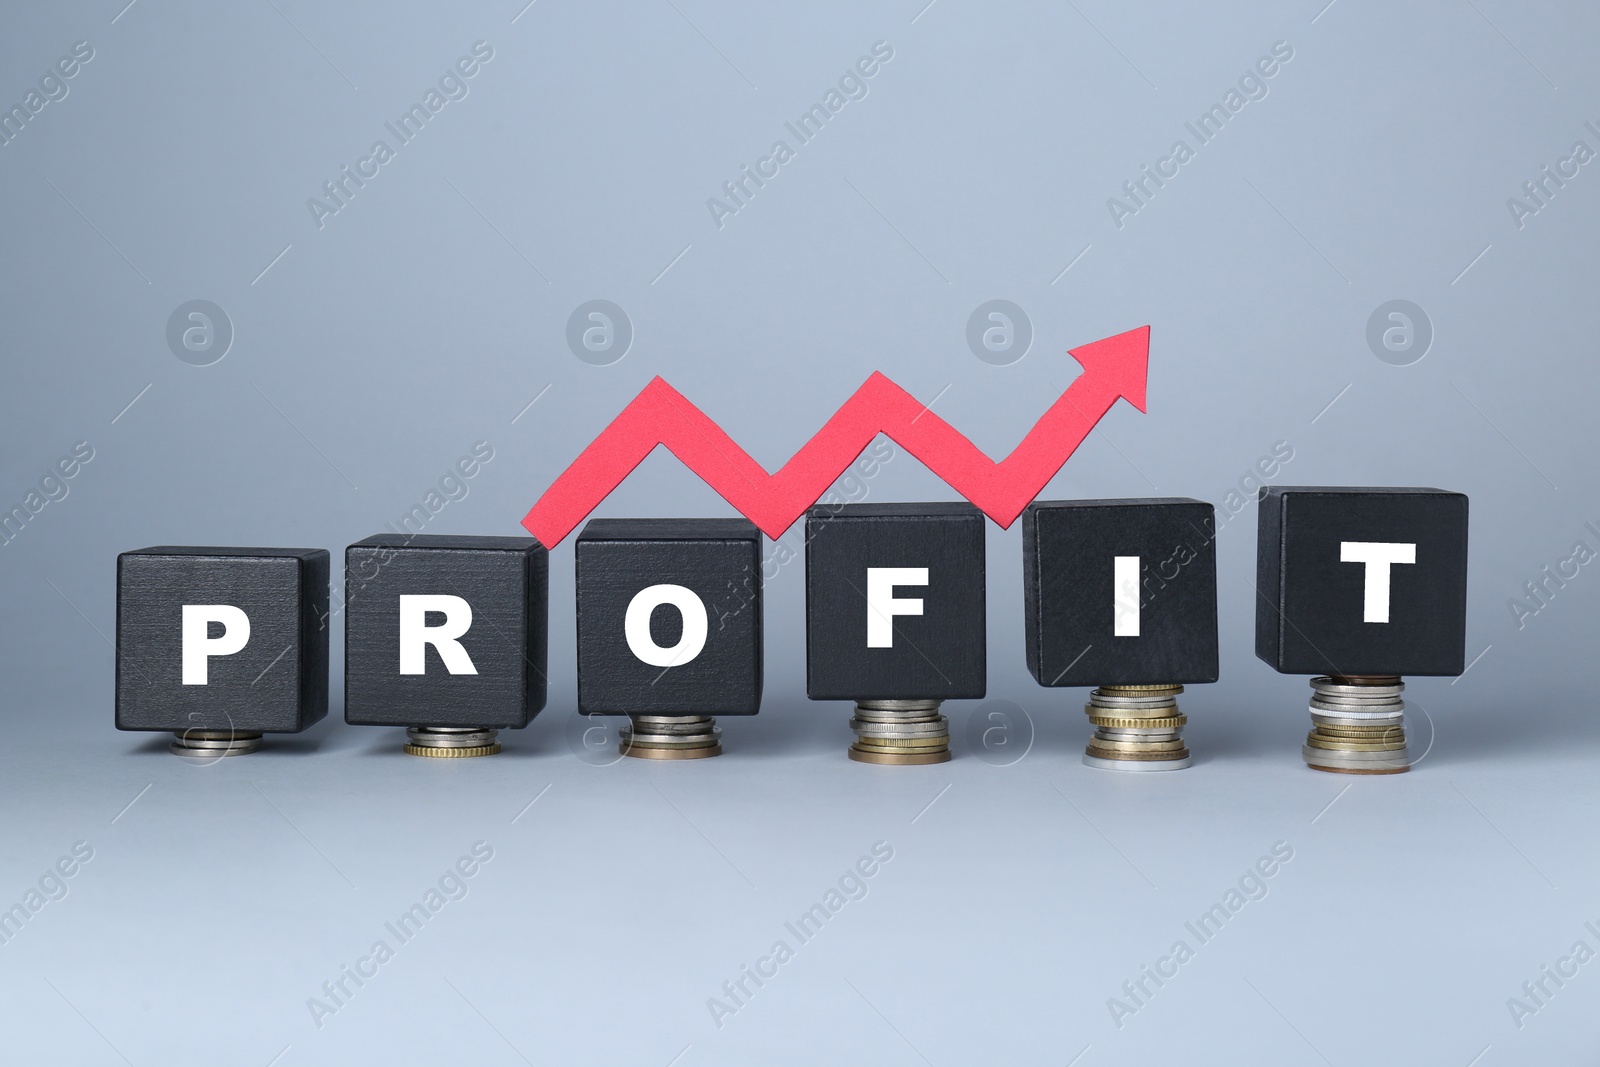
point(444, 630)
point(222, 639)
point(895, 602)
point(669, 617)
point(1357, 581)
point(1120, 592)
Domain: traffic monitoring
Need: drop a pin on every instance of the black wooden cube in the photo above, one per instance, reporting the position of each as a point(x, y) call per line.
point(895, 602)
point(669, 617)
point(1120, 592)
point(1362, 581)
point(222, 639)
point(445, 631)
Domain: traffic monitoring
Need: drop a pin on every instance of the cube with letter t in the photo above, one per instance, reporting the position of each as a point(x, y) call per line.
point(1360, 587)
point(1362, 581)
point(445, 635)
point(221, 645)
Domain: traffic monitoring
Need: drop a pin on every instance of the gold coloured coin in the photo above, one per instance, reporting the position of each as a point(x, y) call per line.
point(898, 758)
point(1138, 757)
point(1359, 770)
point(1134, 746)
point(889, 743)
point(451, 753)
point(679, 752)
point(1355, 746)
point(1159, 711)
point(1169, 722)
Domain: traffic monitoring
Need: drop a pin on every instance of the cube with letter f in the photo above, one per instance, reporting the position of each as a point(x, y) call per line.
point(895, 602)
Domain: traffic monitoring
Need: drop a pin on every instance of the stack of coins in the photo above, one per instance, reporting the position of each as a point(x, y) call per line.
point(1357, 726)
point(1136, 728)
point(452, 741)
point(671, 737)
point(900, 732)
point(208, 743)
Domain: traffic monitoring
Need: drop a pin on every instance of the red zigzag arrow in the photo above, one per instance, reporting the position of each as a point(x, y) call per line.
point(660, 415)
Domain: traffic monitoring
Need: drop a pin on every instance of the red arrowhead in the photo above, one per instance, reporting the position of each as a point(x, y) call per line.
point(1122, 362)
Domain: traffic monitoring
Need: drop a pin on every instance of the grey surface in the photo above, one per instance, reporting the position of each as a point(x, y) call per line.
point(368, 356)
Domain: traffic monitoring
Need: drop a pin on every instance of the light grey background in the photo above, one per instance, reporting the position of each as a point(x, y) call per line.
point(369, 354)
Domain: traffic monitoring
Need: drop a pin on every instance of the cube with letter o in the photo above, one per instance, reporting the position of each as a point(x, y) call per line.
point(669, 617)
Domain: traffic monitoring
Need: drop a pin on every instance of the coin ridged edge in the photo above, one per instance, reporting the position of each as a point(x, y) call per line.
point(451, 753)
point(1116, 690)
point(887, 743)
point(1123, 722)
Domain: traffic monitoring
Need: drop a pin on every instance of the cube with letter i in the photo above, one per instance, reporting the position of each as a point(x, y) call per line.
point(1120, 592)
point(1122, 595)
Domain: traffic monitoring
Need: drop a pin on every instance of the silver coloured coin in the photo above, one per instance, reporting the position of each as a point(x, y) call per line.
point(901, 730)
point(1136, 765)
point(1357, 718)
point(1129, 703)
point(1400, 757)
point(1326, 685)
point(1118, 733)
point(450, 737)
point(696, 726)
point(191, 746)
point(899, 720)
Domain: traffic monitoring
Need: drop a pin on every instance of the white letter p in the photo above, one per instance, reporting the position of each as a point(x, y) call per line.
point(199, 646)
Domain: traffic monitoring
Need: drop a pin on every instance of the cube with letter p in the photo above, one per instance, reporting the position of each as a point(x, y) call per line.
point(222, 639)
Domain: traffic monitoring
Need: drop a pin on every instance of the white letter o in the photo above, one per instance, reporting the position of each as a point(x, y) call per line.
point(636, 625)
